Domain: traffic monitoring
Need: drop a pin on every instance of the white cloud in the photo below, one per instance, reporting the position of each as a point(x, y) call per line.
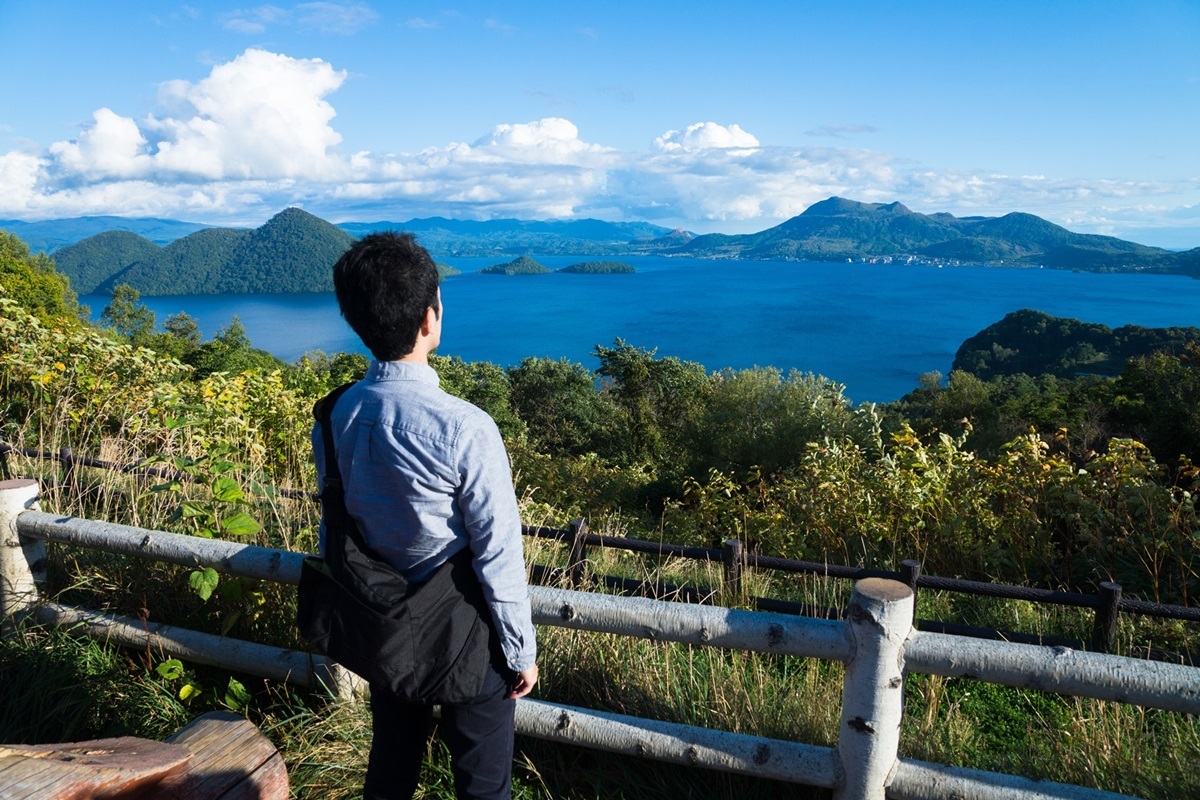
point(705, 136)
point(262, 115)
point(112, 147)
point(257, 134)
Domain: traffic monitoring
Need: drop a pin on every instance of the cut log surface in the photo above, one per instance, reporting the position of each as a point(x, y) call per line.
point(124, 768)
point(231, 760)
point(218, 756)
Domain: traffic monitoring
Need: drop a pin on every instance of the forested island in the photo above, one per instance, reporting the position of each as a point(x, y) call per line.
point(599, 268)
point(522, 265)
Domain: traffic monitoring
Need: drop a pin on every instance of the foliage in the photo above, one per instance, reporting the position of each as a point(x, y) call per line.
point(96, 259)
point(558, 401)
point(1036, 343)
point(33, 282)
point(522, 265)
point(599, 268)
point(293, 251)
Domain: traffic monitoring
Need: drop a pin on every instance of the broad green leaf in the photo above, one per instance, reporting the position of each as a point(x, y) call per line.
point(204, 582)
point(236, 696)
point(189, 509)
point(171, 669)
point(240, 524)
point(227, 490)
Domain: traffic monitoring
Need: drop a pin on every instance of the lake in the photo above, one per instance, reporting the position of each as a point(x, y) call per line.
point(873, 327)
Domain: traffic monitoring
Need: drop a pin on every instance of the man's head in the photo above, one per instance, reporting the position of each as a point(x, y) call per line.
point(385, 284)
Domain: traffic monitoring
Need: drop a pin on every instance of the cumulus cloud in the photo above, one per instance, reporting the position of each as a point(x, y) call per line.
point(262, 115)
point(705, 136)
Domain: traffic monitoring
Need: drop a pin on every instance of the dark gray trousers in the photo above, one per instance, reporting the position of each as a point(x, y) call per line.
point(479, 736)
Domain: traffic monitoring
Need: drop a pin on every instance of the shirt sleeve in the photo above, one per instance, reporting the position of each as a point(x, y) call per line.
point(489, 508)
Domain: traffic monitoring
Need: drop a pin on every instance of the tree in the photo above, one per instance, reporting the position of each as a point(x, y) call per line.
point(659, 398)
point(230, 351)
point(558, 401)
point(33, 282)
point(129, 317)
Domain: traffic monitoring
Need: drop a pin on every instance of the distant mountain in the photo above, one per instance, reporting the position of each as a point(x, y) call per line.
point(292, 252)
point(1036, 343)
point(838, 229)
point(49, 235)
point(97, 258)
point(464, 238)
point(522, 265)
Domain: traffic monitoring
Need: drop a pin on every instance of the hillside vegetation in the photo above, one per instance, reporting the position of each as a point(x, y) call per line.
point(838, 229)
point(291, 252)
point(522, 265)
point(1036, 480)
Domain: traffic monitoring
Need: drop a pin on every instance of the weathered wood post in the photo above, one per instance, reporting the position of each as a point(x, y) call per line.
point(22, 560)
point(1104, 627)
point(880, 619)
point(578, 557)
point(733, 556)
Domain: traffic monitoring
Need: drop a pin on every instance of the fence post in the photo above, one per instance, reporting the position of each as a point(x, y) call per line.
point(733, 555)
point(1104, 627)
point(879, 621)
point(22, 560)
point(67, 457)
point(578, 557)
point(5, 473)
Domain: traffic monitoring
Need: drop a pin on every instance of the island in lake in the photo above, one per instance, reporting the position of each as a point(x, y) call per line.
point(600, 268)
point(522, 265)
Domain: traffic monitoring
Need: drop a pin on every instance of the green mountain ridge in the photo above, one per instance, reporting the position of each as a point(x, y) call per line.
point(293, 251)
point(1036, 343)
point(839, 229)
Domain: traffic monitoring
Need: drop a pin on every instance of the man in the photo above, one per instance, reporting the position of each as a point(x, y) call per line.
point(425, 476)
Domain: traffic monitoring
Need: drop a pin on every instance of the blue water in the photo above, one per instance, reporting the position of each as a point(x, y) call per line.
point(875, 328)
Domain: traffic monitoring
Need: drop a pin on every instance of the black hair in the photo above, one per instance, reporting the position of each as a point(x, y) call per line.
point(384, 284)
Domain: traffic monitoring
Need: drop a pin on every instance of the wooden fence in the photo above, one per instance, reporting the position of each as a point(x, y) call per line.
point(1107, 604)
point(876, 642)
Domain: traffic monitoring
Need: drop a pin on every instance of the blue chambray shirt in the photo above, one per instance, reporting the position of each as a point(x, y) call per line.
point(426, 475)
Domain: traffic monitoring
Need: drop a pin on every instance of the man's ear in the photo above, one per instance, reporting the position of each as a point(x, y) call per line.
point(431, 318)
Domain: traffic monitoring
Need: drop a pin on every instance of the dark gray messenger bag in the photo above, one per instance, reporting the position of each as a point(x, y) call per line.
point(418, 642)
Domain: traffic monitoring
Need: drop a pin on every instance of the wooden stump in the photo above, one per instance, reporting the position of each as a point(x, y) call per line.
point(218, 756)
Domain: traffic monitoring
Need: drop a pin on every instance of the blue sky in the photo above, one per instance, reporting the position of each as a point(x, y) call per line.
point(708, 116)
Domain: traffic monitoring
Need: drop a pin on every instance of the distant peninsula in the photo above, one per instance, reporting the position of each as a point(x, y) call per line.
point(599, 268)
point(523, 265)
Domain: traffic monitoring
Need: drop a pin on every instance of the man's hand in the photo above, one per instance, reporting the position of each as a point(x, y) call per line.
point(526, 679)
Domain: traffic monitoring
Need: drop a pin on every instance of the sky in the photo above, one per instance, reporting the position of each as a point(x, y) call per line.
point(713, 117)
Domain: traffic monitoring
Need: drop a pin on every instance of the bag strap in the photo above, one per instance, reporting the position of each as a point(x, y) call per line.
point(323, 413)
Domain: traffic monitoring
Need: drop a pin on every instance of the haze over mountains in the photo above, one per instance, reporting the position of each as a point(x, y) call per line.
point(293, 251)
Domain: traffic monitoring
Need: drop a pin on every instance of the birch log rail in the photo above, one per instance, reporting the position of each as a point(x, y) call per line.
point(218, 756)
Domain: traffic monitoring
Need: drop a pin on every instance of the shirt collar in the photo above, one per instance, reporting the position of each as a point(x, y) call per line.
point(401, 371)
